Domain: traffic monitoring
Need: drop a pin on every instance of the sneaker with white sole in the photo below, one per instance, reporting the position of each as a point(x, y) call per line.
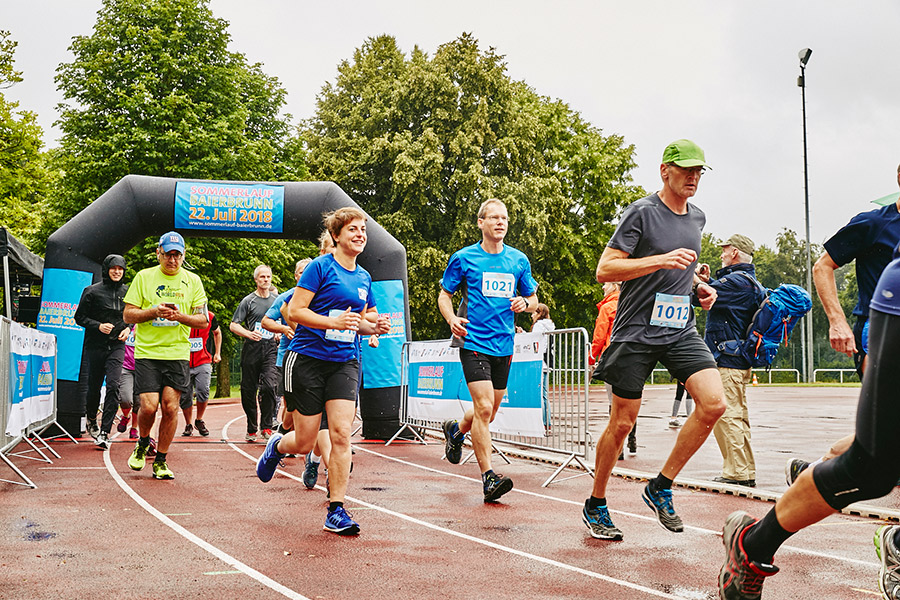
point(339, 521)
point(740, 578)
point(269, 460)
point(600, 524)
point(661, 503)
point(793, 468)
point(889, 555)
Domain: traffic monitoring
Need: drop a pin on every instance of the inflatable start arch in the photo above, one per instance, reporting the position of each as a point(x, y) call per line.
point(138, 207)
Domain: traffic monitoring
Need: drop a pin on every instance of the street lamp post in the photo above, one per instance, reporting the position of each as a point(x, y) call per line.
point(808, 356)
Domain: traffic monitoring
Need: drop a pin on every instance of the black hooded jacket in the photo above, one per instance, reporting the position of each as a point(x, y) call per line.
point(103, 303)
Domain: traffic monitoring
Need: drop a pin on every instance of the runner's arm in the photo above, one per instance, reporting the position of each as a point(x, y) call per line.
point(617, 265)
point(839, 332)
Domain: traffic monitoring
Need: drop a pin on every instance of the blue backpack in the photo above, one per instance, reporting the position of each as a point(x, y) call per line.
point(773, 323)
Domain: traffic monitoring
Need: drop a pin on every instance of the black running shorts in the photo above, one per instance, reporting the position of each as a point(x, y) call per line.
point(478, 366)
point(310, 382)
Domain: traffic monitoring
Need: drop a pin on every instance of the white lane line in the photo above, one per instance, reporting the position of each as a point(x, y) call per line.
point(70, 468)
point(619, 512)
point(224, 557)
point(483, 542)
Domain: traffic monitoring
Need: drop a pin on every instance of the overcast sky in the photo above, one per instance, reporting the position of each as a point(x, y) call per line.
point(723, 74)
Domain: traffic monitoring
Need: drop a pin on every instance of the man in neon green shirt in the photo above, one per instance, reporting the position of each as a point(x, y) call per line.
point(165, 302)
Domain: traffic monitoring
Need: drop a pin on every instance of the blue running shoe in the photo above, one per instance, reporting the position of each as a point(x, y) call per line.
point(270, 459)
point(338, 521)
point(310, 472)
point(600, 524)
point(661, 503)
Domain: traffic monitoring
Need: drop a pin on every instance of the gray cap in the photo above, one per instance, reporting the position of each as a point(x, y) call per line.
point(741, 242)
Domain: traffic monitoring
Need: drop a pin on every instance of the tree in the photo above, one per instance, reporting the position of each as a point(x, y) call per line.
point(154, 90)
point(419, 142)
point(23, 173)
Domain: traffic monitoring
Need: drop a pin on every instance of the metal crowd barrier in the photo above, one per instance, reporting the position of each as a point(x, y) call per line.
point(568, 431)
point(768, 372)
point(33, 431)
point(840, 372)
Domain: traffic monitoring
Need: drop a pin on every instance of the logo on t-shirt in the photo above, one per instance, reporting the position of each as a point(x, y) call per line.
point(363, 293)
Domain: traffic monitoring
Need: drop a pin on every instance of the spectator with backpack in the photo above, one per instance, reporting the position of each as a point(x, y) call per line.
point(739, 295)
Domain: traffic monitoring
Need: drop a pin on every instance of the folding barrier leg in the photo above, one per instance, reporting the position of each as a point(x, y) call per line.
point(28, 482)
point(406, 426)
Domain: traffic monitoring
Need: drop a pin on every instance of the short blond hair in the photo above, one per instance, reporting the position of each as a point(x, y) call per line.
point(484, 206)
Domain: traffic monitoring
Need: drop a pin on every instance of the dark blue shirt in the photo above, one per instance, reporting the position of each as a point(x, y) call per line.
point(870, 238)
point(738, 297)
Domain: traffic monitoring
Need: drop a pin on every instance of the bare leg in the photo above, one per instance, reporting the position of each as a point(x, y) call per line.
point(340, 422)
point(622, 416)
point(486, 401)
point(169, 420)
point(706, 388)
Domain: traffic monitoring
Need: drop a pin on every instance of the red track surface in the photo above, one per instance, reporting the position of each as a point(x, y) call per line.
point(425, 532)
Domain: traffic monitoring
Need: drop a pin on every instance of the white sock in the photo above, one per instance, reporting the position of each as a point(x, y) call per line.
point(313, 457)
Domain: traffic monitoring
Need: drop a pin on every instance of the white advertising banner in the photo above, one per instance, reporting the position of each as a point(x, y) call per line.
point(438, 391)
point(32, 377)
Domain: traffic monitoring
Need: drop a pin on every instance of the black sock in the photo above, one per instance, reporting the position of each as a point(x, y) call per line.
point(593, 503)
point(764, 538)
point(333, 505)
point(144, 442)
point(281, 429)
point(160, 457)
point(660, 482)
point(484, 476)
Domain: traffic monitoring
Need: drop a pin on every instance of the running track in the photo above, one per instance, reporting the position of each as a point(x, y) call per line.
point(94, 527)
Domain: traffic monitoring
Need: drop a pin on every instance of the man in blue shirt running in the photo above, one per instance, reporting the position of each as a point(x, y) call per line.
point(496, 284)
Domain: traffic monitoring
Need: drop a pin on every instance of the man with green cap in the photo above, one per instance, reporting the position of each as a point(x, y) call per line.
point(738, 295)
point(654, 252)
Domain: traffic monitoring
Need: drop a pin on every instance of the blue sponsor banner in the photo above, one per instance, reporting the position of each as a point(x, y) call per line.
point(31, 377)
point(229, 206)
point(381, 365)
point(438, 390)
point(60, 296)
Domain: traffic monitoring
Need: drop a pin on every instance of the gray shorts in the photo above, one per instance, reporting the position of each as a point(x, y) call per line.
point(198, 386)
point(127, 397)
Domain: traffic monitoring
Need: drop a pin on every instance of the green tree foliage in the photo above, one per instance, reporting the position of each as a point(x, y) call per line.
point(23, 174)
point(154, 90)
point(421, 141)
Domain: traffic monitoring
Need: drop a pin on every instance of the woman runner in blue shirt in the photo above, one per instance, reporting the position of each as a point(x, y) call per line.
point(332, 304)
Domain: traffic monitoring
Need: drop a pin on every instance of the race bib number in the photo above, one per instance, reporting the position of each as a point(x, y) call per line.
point(129, 341)
point(160, 322)
point(265, 333)
point(671, 311)
point(339, 335)
point(498, 285)
point(196, 344)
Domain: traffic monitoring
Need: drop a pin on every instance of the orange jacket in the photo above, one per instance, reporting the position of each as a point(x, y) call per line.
point(606, 314)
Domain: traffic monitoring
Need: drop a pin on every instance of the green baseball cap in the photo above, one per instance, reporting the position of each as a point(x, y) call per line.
point(684, 153)
point(741, 242)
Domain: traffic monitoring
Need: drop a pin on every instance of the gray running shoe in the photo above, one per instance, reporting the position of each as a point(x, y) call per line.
point(661, 503)
point(93, 428)
point(102, 440)
point(740, 578)
point(452, 446)
point(310, 472)
point(793, 468)
point(495, 486)
point(600, 524)
point(889, 554)
point(188, 430)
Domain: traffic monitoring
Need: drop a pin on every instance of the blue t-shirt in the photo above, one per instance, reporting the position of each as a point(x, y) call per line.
point(887, 293)
point(488, 281)
point(274, 313)
point(335, 290)
point(870, 237)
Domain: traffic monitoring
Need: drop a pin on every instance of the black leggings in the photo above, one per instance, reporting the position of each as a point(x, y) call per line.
point(870, 468)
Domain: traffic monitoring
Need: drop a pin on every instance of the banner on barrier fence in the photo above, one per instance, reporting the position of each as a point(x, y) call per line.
point(32, 377)
point(438, 391)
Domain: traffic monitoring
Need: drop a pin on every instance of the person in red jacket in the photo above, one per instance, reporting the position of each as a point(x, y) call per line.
point(606, 314)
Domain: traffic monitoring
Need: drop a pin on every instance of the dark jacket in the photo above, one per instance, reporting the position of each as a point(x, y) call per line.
point(738, 297)
point(103, 303)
